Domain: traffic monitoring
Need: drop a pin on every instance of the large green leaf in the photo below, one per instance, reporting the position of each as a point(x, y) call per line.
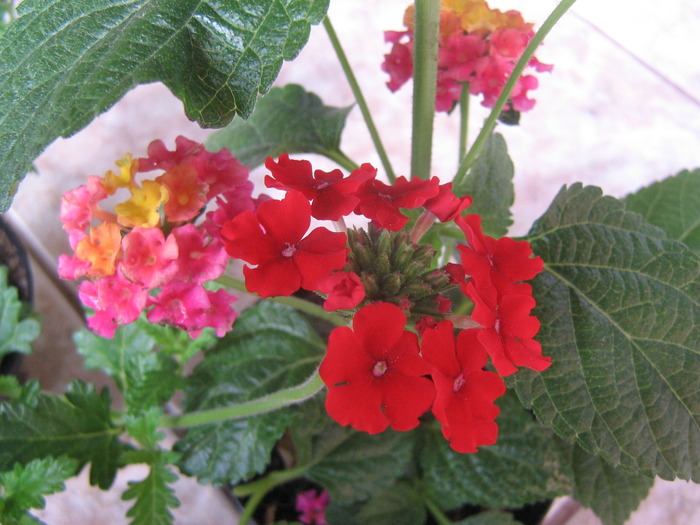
point(611, 493)
point(77, 426)
point(63, 62)
point(16, 334)
point(619, 309)
point(352, 466)
point(271, 347)
point(672, 204)
point(524, 466)
point(24, 487)
point(286, 120)
point(490, 184)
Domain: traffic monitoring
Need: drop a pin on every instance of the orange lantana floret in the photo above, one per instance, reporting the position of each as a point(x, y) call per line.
point(100, 248)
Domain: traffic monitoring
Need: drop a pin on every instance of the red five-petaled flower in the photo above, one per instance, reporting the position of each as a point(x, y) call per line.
point(374, 372)
point(332, 195)
point(508, 328)
point(465, 393)
point(498, 262)
point(381, 202)
point(273, 239)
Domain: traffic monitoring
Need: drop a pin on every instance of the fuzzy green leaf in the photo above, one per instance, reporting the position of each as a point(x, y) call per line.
point(63, 62)
point(154, 497)
point(309, 127)
point(146, 378)
point(611, 493)
point(490, 184)
point(400, 503)
point(619, 309)
point(352, 466)
point(672, 204)
point(271, 347)
point(77, 426)
point(524, 466)
point(24, 487)
point(16, 334)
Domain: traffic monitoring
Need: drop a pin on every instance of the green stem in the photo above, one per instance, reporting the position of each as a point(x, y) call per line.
point(295, 302)
point(435, 511)
point(359, 97)
point(463, 120)
point(490, 122)
point(262, 405)
point(425, 55)
point(340, 158)
point(258, 488)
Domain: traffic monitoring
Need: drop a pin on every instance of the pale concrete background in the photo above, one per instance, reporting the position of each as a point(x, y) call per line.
point(620, 110)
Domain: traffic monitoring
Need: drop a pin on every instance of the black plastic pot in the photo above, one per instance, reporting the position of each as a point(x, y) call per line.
point(14, 256)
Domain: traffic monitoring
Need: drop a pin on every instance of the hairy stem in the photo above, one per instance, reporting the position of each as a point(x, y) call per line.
point(359, 97)
point(463, 120)
point(268, 403)
point(340, 158)
point(490, 122)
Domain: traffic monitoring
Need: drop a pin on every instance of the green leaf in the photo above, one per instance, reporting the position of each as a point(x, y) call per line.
point(350, 465)
point(24, 487)
point(63, 62)
point(15, 335)
point(146, 378)
point(490, 184)
point(154, 497)
point(672, 204)
point(400, 503)
point(286, 120)
point(77, 426)
point(524, 466)
point(611, 493)
point(9, 386)
point(618, 303)
point(271, 347)
point(176, 342)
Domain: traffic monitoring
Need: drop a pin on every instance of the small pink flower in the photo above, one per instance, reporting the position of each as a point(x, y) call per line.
point(115, 300)
point(312, 507)
point(198, 260)
point(344, 290)
point(149, 258)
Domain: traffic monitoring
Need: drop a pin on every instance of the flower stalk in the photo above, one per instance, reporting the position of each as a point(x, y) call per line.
point(427, 31)
point(268, 403)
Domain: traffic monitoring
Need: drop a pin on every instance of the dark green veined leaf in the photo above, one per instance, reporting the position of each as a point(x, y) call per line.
point(16, 334)
point(271, 347)
point(611, 493)
point(672, 204)
point(63, 62)
point(24, 487)
point(491, 517)
point(78, 426)
point(524, 466)
point(490, 184)
point(286, 120)
point(619, 309)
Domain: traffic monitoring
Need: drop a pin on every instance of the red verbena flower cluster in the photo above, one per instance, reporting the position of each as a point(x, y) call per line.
point(478, 47)
point(405, 354)
point(150, 254)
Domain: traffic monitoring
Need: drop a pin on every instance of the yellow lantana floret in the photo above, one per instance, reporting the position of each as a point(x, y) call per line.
point(127, 168)
point(142, 209)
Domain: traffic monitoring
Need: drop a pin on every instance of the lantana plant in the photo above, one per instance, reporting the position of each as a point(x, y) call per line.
point(411, 361)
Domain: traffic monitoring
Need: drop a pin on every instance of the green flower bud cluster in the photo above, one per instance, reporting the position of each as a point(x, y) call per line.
point(395, 270)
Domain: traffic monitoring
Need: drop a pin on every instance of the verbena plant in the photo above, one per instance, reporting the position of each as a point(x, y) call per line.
point(456, 366)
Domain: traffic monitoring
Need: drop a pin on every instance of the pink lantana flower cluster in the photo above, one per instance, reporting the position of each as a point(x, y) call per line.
point(159, 246)
point(478, 49)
